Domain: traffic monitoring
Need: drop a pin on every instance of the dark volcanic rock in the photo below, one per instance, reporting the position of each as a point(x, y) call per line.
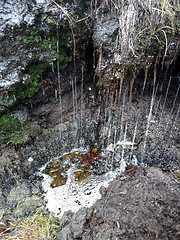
point(141, 204)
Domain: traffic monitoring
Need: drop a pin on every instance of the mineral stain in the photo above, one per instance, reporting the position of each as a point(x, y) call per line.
point(83, 165)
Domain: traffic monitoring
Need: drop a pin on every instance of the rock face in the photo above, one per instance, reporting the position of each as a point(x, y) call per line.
point(141, 204)
point(30, 34)
point(129, 34)
point(66, 110)
point(16, 53)
point(126, 35)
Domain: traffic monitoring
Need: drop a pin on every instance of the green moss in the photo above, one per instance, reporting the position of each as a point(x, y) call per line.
point(36, 69)
point(11, 129)
point(8, 124)
point(15, 131)
point(53, 100)
point(15, 138)
point(35, 38)
point(63, 55)
point(22, 92)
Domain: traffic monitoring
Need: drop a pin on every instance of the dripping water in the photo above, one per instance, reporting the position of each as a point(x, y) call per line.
point(81, 98)
point(59, 84)
point(73, 96)
point(148, 124)
point(175, 120)
point(165, 99)
point(175, 97)
point(133, 141)
point(122, 110)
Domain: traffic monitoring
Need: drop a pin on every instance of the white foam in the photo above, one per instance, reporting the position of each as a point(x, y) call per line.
point(74, 195)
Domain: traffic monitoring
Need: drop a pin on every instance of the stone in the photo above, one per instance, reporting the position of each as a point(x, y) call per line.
point(18, 194)
point(4, 161)
point(28, 206)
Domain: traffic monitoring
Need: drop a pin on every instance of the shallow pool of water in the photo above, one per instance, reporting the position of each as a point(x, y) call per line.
point(73, 180)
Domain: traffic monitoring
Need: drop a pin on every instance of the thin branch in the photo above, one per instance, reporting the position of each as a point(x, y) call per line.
point(166, 45)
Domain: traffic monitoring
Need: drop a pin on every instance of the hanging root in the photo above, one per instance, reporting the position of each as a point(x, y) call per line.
point(155, 70)
point(121, 83)
point(145, 77)
point(132, 83)
point(167, 68)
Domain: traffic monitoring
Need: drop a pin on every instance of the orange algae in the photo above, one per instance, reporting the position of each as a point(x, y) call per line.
point(84, 164)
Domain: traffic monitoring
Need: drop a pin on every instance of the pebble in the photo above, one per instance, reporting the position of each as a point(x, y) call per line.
point(30, 159)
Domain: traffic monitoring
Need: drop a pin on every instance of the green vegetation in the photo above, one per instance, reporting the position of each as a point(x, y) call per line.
point(40, 226)
point(1, 102)
point(53, 100)
point(11, 129)
point(15, 131)
point(8, 124)
point(22, 92)
point(63, 55)
point(35, 38)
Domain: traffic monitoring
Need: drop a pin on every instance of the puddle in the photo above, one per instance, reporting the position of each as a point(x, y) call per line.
point(82, 164)
point(73, 180)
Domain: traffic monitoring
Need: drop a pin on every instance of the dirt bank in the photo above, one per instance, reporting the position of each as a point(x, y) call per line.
point(142, 204)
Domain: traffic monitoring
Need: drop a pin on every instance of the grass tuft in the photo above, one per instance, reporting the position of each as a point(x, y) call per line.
point(40, 226)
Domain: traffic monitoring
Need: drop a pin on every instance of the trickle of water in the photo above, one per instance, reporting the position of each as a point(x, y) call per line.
point(171, 117)
point(134, 137)
point(122, 110)
point(52, 67)
point(73, 97)
point(59, 85)
point(76, 98)
point(156, 107)
point(124, 141)
point(165, 98)
point(110, 121)
point(175, 120)
point(148, 124)
point(175, 97)
point(56, 94)
point(43, 91)
point(81, 97)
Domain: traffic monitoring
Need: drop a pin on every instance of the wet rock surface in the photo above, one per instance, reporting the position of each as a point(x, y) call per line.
point(120, 31)
point(29, 34)
point(141, 204)
point(99, 123)
point(24, 199)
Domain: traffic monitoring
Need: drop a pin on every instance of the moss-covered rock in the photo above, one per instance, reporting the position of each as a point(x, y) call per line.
point(36, 35)
point(15, 131)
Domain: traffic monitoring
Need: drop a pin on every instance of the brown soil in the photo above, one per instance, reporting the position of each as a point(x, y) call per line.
point(142, 204)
